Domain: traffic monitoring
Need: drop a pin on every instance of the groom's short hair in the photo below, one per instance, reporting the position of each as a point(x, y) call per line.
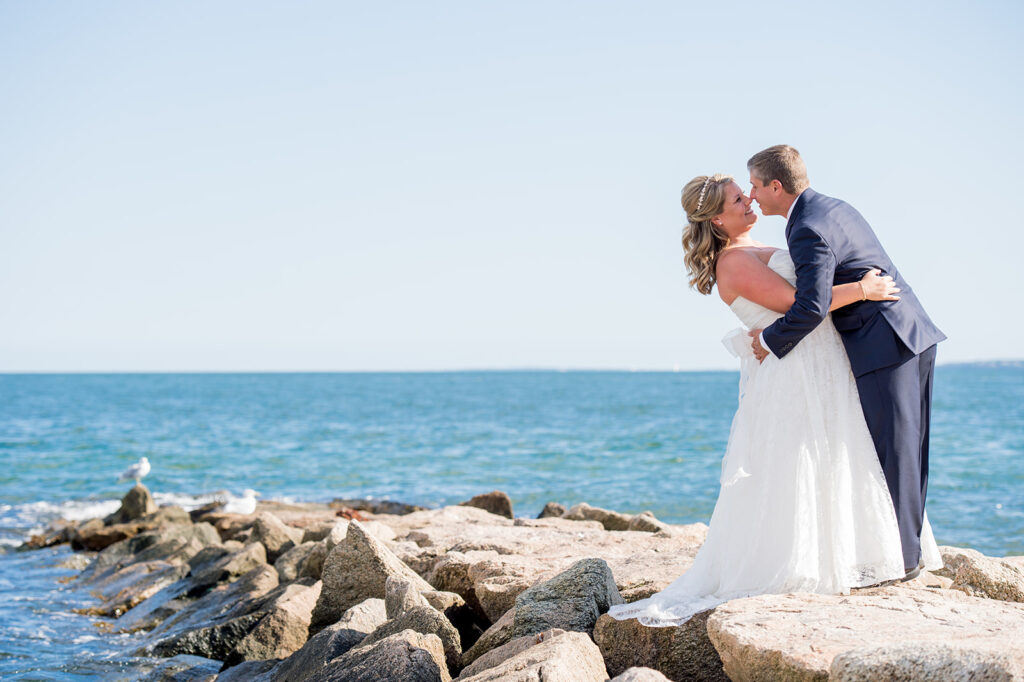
point(782, 163)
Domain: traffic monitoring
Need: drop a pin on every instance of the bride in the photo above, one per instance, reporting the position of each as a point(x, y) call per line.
point(803, 505)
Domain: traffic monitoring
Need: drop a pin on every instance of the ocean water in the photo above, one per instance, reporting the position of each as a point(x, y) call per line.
point(627, 441)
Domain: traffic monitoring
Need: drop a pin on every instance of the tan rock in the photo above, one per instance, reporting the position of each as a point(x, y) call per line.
point(551, 509)
point(406, 655)
point(274, 534)
point(796, 636)
point(683, 652)
point(611, 520)
point(136, 504)
point(425, 620)
point(924, 663)
point(355, 570)
point(283, 630)
point(500, 654)
point(982, 576)
point(570, 657)
point(640, 675)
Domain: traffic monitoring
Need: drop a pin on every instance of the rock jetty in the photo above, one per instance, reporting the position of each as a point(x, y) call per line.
point(354, 591)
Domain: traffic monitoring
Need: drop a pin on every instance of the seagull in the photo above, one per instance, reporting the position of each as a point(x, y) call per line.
point(136, 471)
point(246, 504)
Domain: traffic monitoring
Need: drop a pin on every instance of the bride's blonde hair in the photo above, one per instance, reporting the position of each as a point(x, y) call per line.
point(703, 199)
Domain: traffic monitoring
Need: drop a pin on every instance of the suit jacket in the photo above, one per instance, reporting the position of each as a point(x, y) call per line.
point(831, 243)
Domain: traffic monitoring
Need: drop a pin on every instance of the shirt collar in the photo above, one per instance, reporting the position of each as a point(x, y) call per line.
point(793, 205)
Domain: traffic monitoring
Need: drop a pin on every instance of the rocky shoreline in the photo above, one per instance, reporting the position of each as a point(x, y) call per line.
point(360, 591)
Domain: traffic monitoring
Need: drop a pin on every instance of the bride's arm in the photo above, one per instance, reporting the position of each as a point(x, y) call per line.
point(739, 273)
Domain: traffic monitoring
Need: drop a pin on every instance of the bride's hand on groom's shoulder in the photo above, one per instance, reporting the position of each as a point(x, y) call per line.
point(877, 287)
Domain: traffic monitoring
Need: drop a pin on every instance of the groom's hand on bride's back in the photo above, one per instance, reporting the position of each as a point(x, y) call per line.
point(759, 352)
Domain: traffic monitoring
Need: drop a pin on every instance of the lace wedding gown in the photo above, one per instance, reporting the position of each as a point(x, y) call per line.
point(803, 505)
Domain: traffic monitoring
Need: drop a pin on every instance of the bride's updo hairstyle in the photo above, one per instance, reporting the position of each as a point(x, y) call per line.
point(703, 199)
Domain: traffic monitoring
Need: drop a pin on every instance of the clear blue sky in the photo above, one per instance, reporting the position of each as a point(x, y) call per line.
point(350, 186)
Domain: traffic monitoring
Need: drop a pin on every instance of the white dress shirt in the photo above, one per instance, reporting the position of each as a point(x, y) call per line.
point(789, 212)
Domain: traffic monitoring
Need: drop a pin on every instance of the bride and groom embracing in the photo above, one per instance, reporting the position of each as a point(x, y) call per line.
point(826, 469)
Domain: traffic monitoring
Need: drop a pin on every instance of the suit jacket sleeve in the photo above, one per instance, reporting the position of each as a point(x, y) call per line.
point(815, 268)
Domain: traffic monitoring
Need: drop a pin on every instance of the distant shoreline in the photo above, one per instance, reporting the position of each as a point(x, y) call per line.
point(988, 364)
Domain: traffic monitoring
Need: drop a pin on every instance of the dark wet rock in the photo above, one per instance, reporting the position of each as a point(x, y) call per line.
point(551, 510)
point(136, 504)
point(331, 642)
point(84, 529)
point(426, 620)
point(407, 655)
point(572, 600)
point(205, 575)
point(212, 625)
point(184, 669)
point(57, 532)
point(495, 502)
point(683, 652)
point(355, 570)
point(283, 630)
point(132, 585)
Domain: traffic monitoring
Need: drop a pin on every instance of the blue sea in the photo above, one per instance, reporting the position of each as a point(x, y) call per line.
point(630, 441)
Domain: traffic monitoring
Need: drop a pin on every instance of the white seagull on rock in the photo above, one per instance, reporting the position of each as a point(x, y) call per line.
point(136, 471)
point(246, 504)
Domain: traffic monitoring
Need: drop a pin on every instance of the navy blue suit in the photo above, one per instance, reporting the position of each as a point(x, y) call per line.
point(891, 345)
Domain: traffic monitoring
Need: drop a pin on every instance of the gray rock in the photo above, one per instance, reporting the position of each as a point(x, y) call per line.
point(611, 520)
point(551, 510)
point(313, 565)
point(212, 625)
point(136, 504)
point(378, 506)
point(274, 534)
point(918, 662)
point(331, 642)
point(321, 530)
point(355, 570)
point(183, 669)
point(495, 502)
point(500, 654)
point(400, 595)
point(569, 657)
point(133, 584)
point(250, 671)
point(289, 565)
point(982, 576)
point(498, 634)
point(282, 631)
point(640, 675)
point(205, 575)
point(451, 574)
point(572, 600)
point(681, 653)
point(407, 655)
point(428, 621)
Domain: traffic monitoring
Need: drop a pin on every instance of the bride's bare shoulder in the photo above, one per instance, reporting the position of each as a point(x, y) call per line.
point(731, 266)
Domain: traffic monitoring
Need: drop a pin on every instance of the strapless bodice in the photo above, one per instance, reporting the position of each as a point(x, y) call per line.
point(754, 316)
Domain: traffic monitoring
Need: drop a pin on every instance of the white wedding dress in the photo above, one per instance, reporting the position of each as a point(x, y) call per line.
point(803, 505)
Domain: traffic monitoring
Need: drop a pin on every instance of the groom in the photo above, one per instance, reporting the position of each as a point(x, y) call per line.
point(891, 344)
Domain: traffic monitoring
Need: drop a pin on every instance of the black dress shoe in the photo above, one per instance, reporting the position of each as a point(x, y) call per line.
point(911, 573)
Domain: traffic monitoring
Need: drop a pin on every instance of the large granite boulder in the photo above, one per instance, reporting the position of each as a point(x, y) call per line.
point(406, 655)
point(499, 655)
point(981, 576)
point(797, 636)
point(426, 620)
point(572, 600)
point(331, 642)
point(683, 652)
point(924, 663)
point(290, 564)
point(283, 630)
point(495, 502)
point(400, 595)
point(355, 570)
point(136, 504)
point(569, 657)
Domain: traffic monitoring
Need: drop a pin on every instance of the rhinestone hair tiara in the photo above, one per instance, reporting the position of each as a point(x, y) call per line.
point(703, 190)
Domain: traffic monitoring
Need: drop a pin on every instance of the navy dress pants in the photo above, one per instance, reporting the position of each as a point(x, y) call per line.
point(897, 402)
